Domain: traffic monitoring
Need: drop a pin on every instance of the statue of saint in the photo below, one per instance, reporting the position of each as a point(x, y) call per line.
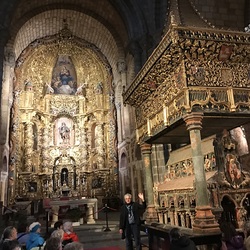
point(64, 132)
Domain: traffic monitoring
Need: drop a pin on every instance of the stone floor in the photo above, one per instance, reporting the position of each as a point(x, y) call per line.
point(104, 233)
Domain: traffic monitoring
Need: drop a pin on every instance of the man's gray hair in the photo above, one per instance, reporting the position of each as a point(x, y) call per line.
point(128, 194)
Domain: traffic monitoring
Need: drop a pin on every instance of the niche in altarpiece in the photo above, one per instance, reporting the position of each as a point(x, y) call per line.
point(64, 132)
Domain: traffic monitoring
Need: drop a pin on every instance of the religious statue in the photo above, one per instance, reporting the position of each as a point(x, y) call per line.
point(99, 88)
point(64, 132)
point(28, 86)
point(228, 142)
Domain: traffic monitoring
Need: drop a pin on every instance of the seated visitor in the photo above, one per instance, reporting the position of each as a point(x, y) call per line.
point(9, 234)
point(69, 235)
point(11, 245)
point(179, 241)
point(57, 225)
point(74, 246)
point(23, 233)
point(53, 243)
point(35, 239)
point(58, 234)
point(230, 238)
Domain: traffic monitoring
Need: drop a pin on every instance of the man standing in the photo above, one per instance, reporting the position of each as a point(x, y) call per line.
point(130, 220)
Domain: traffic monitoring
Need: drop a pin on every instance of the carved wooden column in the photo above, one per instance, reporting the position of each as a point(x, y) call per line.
point(45, 152)
point(28, 140)
point(100, 145)
point(204, 221)
point(151, 215)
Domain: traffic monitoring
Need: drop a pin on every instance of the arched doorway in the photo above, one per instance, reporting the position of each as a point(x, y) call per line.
point(229, 211)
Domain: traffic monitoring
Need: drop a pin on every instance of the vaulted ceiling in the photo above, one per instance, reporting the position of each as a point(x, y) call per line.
point(111, 25)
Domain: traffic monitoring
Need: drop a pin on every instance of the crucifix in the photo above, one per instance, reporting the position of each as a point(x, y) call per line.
point(64, 176)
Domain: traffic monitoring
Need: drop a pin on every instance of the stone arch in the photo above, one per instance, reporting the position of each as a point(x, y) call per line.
point(124, 173)
point(110, 45)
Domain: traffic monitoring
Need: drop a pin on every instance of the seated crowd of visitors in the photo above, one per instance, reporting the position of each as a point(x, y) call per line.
point(25, 237)
point(62, 236)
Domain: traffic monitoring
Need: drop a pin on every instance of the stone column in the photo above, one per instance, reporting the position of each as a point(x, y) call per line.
point(7, 78)
point(161, 216)
point(204, 221)
point(6, 94)
point(54, 210)
point(176, 221)
point(90, 213)
point(139, 177)
point(124, 126)
point(151, 215)
point(183, 222)
point(119, 121)
point(171, 216)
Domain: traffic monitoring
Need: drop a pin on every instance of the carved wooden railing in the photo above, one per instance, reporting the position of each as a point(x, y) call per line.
point(219, 100)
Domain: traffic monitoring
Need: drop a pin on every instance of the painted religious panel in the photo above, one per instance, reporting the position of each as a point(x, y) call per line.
point(64, 76)
point(64, 132)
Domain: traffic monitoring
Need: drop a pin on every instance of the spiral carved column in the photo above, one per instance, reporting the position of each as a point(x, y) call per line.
point(100, 146)
point(45, 153)
point(29, 142)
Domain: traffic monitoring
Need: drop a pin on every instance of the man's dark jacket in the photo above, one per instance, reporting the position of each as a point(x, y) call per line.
point(138, 210)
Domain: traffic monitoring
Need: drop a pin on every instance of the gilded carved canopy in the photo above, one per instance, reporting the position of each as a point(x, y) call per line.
point(192, 70)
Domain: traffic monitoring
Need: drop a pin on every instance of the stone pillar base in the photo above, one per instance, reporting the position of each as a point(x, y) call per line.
point(204, 221)
point(151, 214)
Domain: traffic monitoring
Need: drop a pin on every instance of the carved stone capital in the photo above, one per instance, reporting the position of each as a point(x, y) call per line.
point(9, 56)
point(146, 148)
point(121, 66)
point(193, 121)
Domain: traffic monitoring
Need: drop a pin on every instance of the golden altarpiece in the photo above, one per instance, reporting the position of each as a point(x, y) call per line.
point(63, 130)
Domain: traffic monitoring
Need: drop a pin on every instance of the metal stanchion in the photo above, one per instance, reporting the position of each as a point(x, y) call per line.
point(47, 221)
point(106, 208)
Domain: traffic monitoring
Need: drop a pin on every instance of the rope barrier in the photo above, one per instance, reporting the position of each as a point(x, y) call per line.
point(88, 215)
